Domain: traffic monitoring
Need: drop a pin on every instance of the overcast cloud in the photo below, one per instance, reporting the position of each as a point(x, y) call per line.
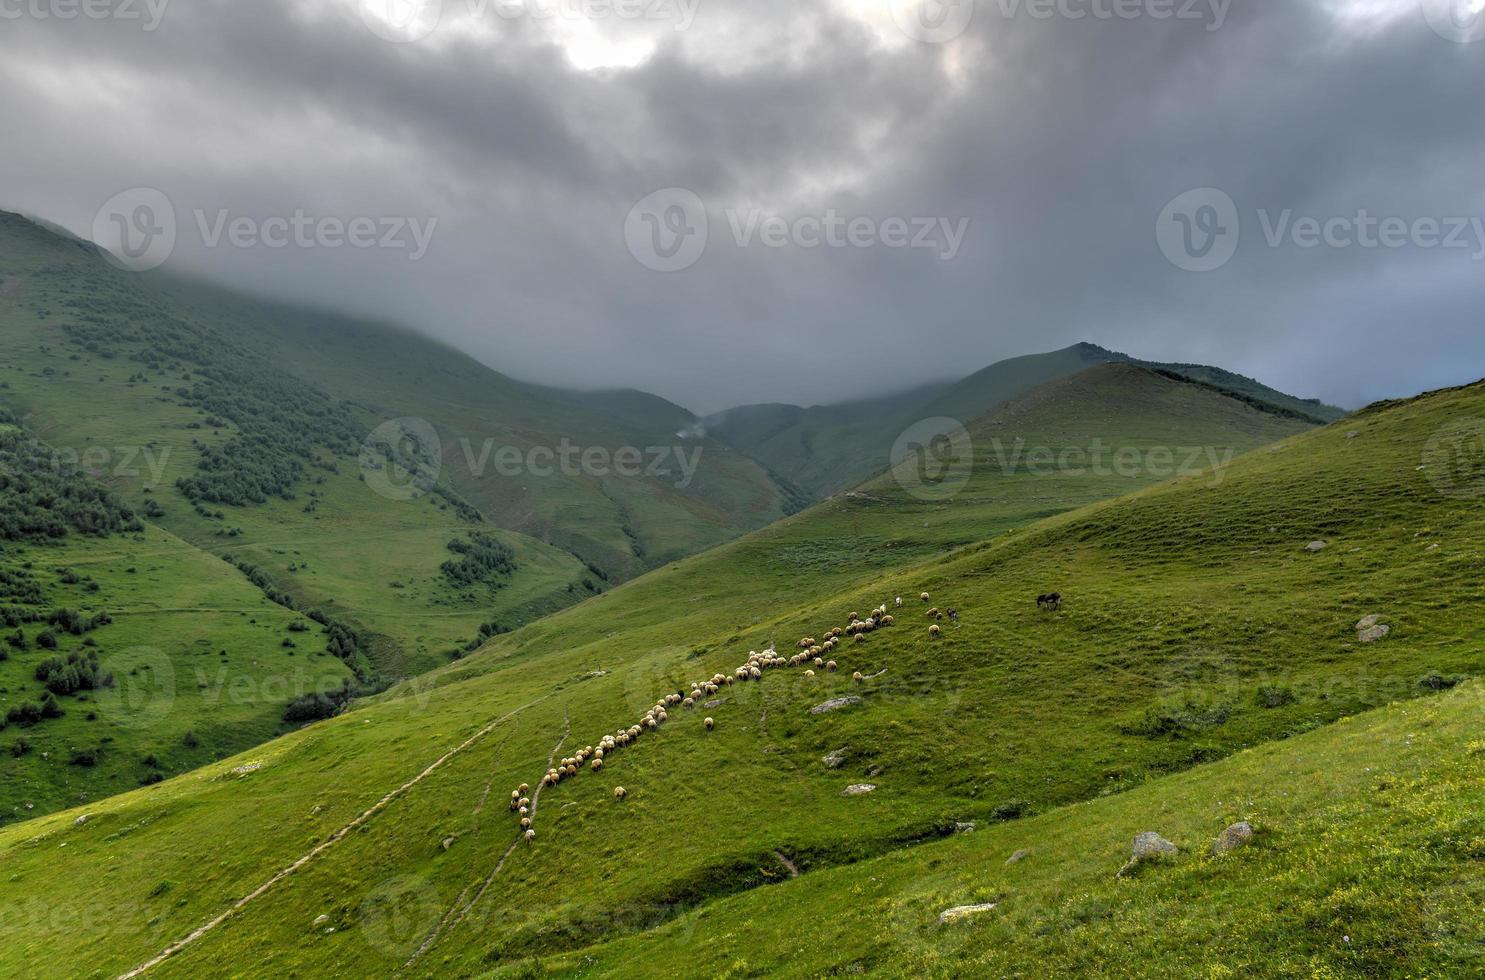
point(1029, 156)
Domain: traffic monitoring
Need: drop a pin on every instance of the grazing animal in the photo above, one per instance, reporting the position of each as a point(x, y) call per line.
point(924, 597)
point(530, 836)
point(935, 630)
point(620, 792)
point(953, 615)
point(1049, 600)
point(830, 665)
point(899, 602)
point(857, 677)
point(710, 724)
point(525, 823)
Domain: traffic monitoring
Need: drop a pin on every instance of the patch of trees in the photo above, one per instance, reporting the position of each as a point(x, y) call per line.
point(27, 713)
point(342, 642)
point(318, 705)
point(281, 422)
point(43, 499)
point(481, 559)
point(75, 673)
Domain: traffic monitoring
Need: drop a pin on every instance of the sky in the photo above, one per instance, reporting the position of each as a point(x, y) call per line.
point(737, 201)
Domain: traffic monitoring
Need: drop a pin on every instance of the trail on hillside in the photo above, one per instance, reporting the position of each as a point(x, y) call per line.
point(326, 844)
point(444, 923)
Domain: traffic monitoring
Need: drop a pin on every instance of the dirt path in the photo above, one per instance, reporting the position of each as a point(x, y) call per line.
point(445, 923)
point(328, 843)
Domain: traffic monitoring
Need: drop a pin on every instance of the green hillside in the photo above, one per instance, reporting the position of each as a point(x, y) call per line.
point(239, 427)
point(127, 655)
point(828, 448)
point(1197, 622)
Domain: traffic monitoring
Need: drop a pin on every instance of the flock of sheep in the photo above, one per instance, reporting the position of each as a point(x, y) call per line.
point(810, 652)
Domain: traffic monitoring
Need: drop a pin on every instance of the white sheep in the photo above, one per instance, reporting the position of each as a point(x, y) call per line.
point(924, 597)
point(620, 792)
point(857, 677)
point(899, 602)
point(935, 630)
point(597, 764)
point(710, 724)
point(525, 823)
point(530, 836)
point(830, 665)
point(809, 673)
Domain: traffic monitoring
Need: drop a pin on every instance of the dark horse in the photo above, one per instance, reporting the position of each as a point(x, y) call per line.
point(1049, 600)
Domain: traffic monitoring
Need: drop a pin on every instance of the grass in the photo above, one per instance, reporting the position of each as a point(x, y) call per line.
point(1181, 598)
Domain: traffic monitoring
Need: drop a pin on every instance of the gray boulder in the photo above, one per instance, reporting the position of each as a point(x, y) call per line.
point(835, 704)
point(836, 759)
point(963, 912)
point(858, 789)
point(1234, 837)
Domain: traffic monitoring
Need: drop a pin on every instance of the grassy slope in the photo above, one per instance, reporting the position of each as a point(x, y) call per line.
point(1181, 599)
point(624, 525)
point(830, 447)
point(176, 612)
point(1368, 862)
point(371, 562)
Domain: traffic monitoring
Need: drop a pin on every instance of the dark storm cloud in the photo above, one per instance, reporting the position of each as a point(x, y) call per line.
point(1057, 140)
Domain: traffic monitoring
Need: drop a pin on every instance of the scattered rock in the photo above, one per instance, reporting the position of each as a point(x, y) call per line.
point(1315, 546)
point(713, 704)
point(1151, 845)
point(835, 704)
point(1148, 846)
point(81, 820)
point(1352, 434)
point(1233, 838)
point(1018, 857)
point(1374, 634)
point(963, 912)
point(448, 842)
point(967, 827)
point(1367, 622)
point(873, 771)
point(321, 920)
point(858, 789)
point(836, 758)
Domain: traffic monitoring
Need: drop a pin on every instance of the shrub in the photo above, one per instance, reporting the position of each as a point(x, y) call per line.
point(1273, 696)
point(84, 757)
point(189, 740)
point(1178, 718)
point(20, 747)
point(1434, 681)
